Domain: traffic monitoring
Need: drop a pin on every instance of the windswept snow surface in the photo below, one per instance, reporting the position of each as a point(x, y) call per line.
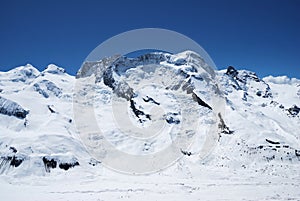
point(255, 154)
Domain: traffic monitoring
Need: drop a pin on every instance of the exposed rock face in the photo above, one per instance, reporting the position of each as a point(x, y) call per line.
point(294, 111)
point(223, 127)
point(45, 87)
point(297, 153)
point(96, 67)
point(248, 82)
point(172, 118)
point(122, 89)
point(11, 108)
point(14, 161)
point(52, 162)
point(199, 101)
point(119, 64)
point(49, 163)
point(122, 64)
point(232, 71)
point(138, 112)
point(10, 159)
point(66, 166)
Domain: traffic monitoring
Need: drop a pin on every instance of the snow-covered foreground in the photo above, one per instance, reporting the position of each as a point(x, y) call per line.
point(210, 184)
point(204, 134)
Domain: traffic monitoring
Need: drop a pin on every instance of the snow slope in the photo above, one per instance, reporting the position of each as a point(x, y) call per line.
point(240, 132)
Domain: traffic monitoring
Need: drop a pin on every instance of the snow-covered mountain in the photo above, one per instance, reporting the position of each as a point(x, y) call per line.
point(252, 124)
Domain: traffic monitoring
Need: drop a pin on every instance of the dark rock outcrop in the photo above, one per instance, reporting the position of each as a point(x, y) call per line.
point(294, 111)
point(231, 71)
point(200, 101)
point(51, 109)
point(16, 161)
point(138, 112)
point(149, 99)
point(51, 163)
point(223, 127)
point(11, 108)
point(108, 79)
point(272, 142)
point(172, 118)
point(13, 149)
point(66, 166)
point(297, 153)
point(187, 153)
point(10, 161)
point(241, 80)
point(45, 86)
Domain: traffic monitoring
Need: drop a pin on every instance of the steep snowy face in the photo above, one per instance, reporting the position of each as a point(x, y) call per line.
point(36, 121)
point(144, 105)
point(264, 115)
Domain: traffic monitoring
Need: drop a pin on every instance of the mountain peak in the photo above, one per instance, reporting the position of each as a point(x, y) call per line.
point(27, 68)
point(21, 73)
point(54, 69)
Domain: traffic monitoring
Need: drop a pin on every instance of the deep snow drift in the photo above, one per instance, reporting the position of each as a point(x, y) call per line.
point(253, 132)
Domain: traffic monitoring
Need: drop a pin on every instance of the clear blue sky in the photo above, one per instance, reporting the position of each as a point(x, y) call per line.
point(258, 35)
